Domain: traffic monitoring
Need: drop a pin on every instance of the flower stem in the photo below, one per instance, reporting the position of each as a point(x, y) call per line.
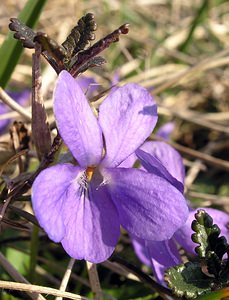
point(94, 281)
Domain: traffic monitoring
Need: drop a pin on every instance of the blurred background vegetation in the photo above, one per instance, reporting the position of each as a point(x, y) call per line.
point(177, 49)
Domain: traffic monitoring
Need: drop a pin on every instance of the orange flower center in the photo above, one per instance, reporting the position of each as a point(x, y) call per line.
point(89, 172)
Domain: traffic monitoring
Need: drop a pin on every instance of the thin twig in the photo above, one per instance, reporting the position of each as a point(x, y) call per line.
point(208, 159)
point(94, 281)
point(4, 208)
point(38, 289)
point(143, 277)
point(66, 277)
point(193, 117)
point(14, 105)
point(209, 199)
point(202, 65)
point(18, 277)
point(117, 268)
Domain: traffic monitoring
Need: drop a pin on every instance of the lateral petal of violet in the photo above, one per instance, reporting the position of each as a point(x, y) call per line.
point(76, 122)
point(92, 223)
point(168, 156)
point(154, 166)
point(149, 206)
point(127, 117)
point(183, 235)
point(49, 197)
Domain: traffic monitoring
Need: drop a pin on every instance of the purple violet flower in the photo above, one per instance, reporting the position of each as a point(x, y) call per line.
point(161, 255)
point(83, 206)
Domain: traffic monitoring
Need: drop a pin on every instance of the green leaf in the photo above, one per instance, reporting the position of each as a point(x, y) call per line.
point(211, 247)
point(188, 280)
point(207, 236)
point(222, 294)
point(11, 49)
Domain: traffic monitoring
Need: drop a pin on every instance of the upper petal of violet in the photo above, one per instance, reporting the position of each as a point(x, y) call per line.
point(127, 117)
point(76, 122)
point(149, 206)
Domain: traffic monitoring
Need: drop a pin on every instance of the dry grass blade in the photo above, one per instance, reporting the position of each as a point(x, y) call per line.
point(16, 276)
point(11, 285)
point(204, 65)
point(193, 117)
point(66, 277)
point(94, 281)
point(14, 105)
point(208, 159)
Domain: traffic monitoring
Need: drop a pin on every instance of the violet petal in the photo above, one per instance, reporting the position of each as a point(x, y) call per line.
point(91, 221)
point(168, 156)
point(163, 255)
point(159, 271)
point(141, 251)
point(164, 252)
point(49, 198)
point(149, 207)
point(127, 117)
point(154, 166)
point(76, 122)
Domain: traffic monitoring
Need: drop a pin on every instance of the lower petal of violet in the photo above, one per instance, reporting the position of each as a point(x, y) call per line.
point(149, 206)
point(92, 226)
